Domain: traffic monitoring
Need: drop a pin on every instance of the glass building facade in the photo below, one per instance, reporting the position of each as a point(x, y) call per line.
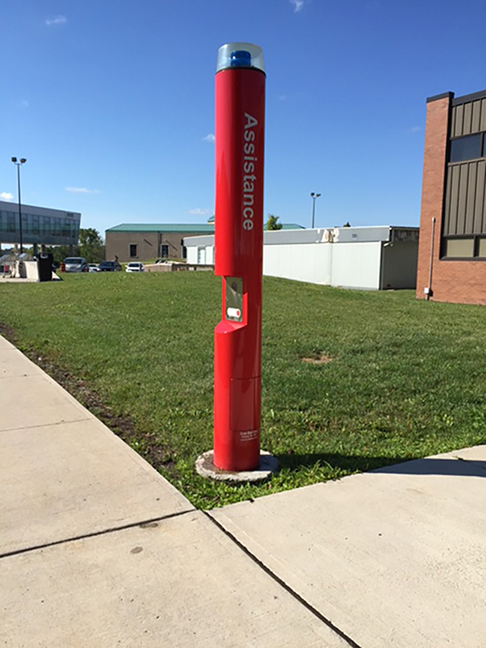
point(39, 225)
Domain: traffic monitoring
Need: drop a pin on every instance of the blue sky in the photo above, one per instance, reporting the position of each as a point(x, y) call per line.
point(112, 104)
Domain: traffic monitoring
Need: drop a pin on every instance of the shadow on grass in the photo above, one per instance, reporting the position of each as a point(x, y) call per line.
point(393, 465)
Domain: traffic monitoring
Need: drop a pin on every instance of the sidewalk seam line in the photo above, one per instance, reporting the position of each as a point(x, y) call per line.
point(282, 583)
point(132, 525)
point(24, 375)
point(41, 425)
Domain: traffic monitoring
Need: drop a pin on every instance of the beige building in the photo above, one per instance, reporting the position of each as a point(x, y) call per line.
point(141, 242)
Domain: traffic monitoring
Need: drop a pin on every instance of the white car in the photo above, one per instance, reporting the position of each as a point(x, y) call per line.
point(92, 267)
point(134, 266)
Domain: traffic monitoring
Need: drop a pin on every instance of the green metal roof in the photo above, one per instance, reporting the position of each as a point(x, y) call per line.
point(178, 228)
point(291, 226)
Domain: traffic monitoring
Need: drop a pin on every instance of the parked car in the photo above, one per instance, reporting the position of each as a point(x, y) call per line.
point(92, 267)
point(134, 266)
point(75, 264)
point(109, 266)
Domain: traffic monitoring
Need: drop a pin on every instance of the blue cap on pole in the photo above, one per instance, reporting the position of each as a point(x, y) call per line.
point(240, 58)
point(242, 55)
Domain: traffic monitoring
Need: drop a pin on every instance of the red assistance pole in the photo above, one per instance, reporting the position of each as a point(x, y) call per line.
point(239, 134)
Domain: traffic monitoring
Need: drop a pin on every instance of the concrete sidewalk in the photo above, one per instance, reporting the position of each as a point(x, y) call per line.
point(97, 549)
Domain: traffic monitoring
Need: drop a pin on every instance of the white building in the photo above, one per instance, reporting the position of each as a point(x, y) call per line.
point(200, 249)
point(369, 258)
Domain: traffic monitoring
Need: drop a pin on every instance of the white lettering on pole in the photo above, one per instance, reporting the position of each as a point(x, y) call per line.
point(248, 172)
point(248, 435)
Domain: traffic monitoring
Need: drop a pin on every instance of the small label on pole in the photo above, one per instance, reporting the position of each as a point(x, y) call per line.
point(248, 435)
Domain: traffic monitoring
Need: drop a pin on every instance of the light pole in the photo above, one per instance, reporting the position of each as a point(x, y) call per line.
point(18, 164)
point(314, 196)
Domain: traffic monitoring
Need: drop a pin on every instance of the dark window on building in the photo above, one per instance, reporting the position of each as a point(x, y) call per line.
point(11, 225)
point(55, 226)
point(35, 224)
point(184, 252)
point(466, 148)
point(46, 226)
point(133, 250)
point(66, 228)
point(3, 221)
point(164, 251)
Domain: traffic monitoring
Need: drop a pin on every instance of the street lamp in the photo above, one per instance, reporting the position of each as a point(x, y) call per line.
point(18, 164)
point(314, 196)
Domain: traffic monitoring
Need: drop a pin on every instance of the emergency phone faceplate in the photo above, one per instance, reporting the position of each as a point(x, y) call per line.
point(234, 299)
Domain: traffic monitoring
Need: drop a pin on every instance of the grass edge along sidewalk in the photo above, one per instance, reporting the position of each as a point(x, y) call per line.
point(351, 380)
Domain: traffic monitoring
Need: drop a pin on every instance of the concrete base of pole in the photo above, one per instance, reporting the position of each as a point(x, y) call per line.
point(268, 466)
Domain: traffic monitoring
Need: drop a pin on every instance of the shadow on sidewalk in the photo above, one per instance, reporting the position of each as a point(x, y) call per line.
point(439, 466)
point(429, 466)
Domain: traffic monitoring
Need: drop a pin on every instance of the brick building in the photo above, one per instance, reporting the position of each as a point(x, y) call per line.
point(452, 246)
point(140, 242)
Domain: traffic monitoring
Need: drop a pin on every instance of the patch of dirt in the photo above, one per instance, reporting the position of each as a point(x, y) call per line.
point(321, 358)
point(146, 444)
point(7, 332)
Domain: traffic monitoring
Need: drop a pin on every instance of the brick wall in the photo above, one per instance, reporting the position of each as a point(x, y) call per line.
point(118, 244)
point(148, 244)
point(452, 281)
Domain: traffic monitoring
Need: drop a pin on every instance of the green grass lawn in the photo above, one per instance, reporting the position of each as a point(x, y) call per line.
point(401, 379)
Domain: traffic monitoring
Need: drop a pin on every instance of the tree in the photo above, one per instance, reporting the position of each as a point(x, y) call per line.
point(272, 223)
point(91, 245)
point(60, 252)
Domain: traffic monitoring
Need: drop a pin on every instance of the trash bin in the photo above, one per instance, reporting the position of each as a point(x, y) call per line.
point(44, 266)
